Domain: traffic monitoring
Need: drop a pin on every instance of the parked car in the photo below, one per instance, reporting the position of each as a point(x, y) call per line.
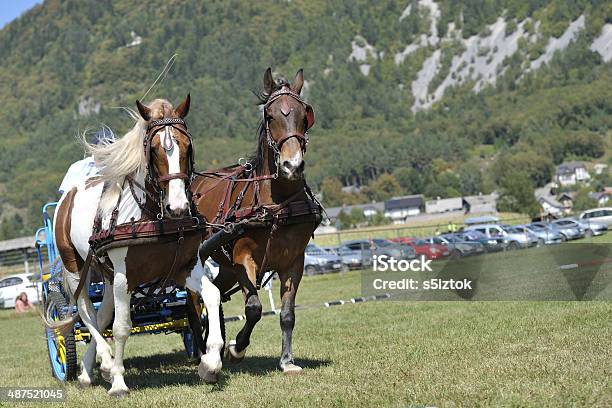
point(588, 228)
point(598, 215)
point(532, 239)
point(457, 247)
point(567, 232)
point(383, 247)
point(351, 259)
point(544, 234)
point(355, 254)
point(424, 248)
point(512, 240)
point(317, 260)
point(489, 244)
point(13, 285)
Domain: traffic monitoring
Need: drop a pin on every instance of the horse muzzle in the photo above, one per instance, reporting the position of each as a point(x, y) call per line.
point(292, 169)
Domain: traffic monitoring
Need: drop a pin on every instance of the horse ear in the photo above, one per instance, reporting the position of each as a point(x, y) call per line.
point(298, 82)
point(310, 117)
point(143, 110)
point(268, 81)
point(183, 108)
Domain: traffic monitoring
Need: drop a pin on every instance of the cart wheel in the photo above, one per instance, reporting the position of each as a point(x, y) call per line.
point(62, 348)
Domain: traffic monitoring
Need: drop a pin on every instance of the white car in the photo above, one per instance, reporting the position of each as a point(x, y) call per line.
point(598, 215)
point(13, 285)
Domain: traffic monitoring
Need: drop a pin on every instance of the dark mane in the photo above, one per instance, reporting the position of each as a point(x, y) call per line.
point(257, 158)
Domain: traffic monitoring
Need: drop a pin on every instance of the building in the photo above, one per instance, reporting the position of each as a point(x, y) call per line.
point(602, 197)
point(442, 205)
point(551, 206)
point(18, 255)
point(599, 168)
point(369, 210)
point(567, 200)
point(400, 208)
point(481, 204)
point(568, 174)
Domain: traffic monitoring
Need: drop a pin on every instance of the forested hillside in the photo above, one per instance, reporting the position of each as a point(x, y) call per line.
point(435, 97)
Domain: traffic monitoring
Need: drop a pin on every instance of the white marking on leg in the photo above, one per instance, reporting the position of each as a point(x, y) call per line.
point(210, 363)
point(104, 317)
point(88, 316)
point(123, 323)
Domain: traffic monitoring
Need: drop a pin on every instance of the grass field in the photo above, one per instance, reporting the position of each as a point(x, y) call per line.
point(384, 353)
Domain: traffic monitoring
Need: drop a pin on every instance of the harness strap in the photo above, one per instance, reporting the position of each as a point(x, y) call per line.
point(83, 273)
point(143, 207)
point(173, 176)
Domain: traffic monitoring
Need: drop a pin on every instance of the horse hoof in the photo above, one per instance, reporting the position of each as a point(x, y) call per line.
point(209, 378)
point(232, 355)
point(291, 369)
point(84, 381)
point(118, 392)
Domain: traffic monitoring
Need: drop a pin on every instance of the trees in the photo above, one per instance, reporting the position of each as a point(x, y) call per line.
point(517, 195)
point(331, 189)
point(383, 188)
point(583, 201)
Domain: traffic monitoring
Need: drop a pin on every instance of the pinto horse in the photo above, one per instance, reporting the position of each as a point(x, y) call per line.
point(145, 176)
point(272, 181)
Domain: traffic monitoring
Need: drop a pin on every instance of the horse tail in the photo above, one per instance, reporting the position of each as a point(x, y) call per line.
point(64, 325)
point(67, 323)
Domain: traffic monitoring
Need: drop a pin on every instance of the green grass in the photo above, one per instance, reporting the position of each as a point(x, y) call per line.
point(386, 353)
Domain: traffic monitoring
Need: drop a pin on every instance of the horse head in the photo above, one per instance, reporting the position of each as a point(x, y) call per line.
point(286, 119)
point(169, 153)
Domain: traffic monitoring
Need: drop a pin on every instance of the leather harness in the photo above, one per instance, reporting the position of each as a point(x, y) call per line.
point(152, 227)
point(257, 214)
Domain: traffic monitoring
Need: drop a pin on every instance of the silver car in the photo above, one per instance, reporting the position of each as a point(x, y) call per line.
point(351, 259)
point(546, 235)
point(589, 228)
point(316, 260)
point(569, 230)
point(512, 240)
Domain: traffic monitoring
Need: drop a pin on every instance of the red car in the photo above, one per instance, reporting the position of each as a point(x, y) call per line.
point(422, 247)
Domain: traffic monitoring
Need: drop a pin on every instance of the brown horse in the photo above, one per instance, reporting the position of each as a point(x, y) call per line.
point(271, 186)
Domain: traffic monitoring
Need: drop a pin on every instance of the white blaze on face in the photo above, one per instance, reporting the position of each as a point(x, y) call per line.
point(177, 199)
point(291, 157)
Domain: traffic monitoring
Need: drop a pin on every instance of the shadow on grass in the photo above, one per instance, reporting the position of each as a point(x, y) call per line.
point(176, 369)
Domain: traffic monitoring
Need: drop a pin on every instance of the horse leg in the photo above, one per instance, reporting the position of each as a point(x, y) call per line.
point(123, 322)
point(104, 317)
point(88, 316)
point(252, 310)
point(289, 283)
point(210, 363)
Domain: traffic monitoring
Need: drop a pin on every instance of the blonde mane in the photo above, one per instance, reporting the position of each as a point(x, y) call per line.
point(123, 157)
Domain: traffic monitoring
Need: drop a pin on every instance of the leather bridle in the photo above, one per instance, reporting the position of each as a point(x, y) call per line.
point(302, 137)
point(151, 177)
